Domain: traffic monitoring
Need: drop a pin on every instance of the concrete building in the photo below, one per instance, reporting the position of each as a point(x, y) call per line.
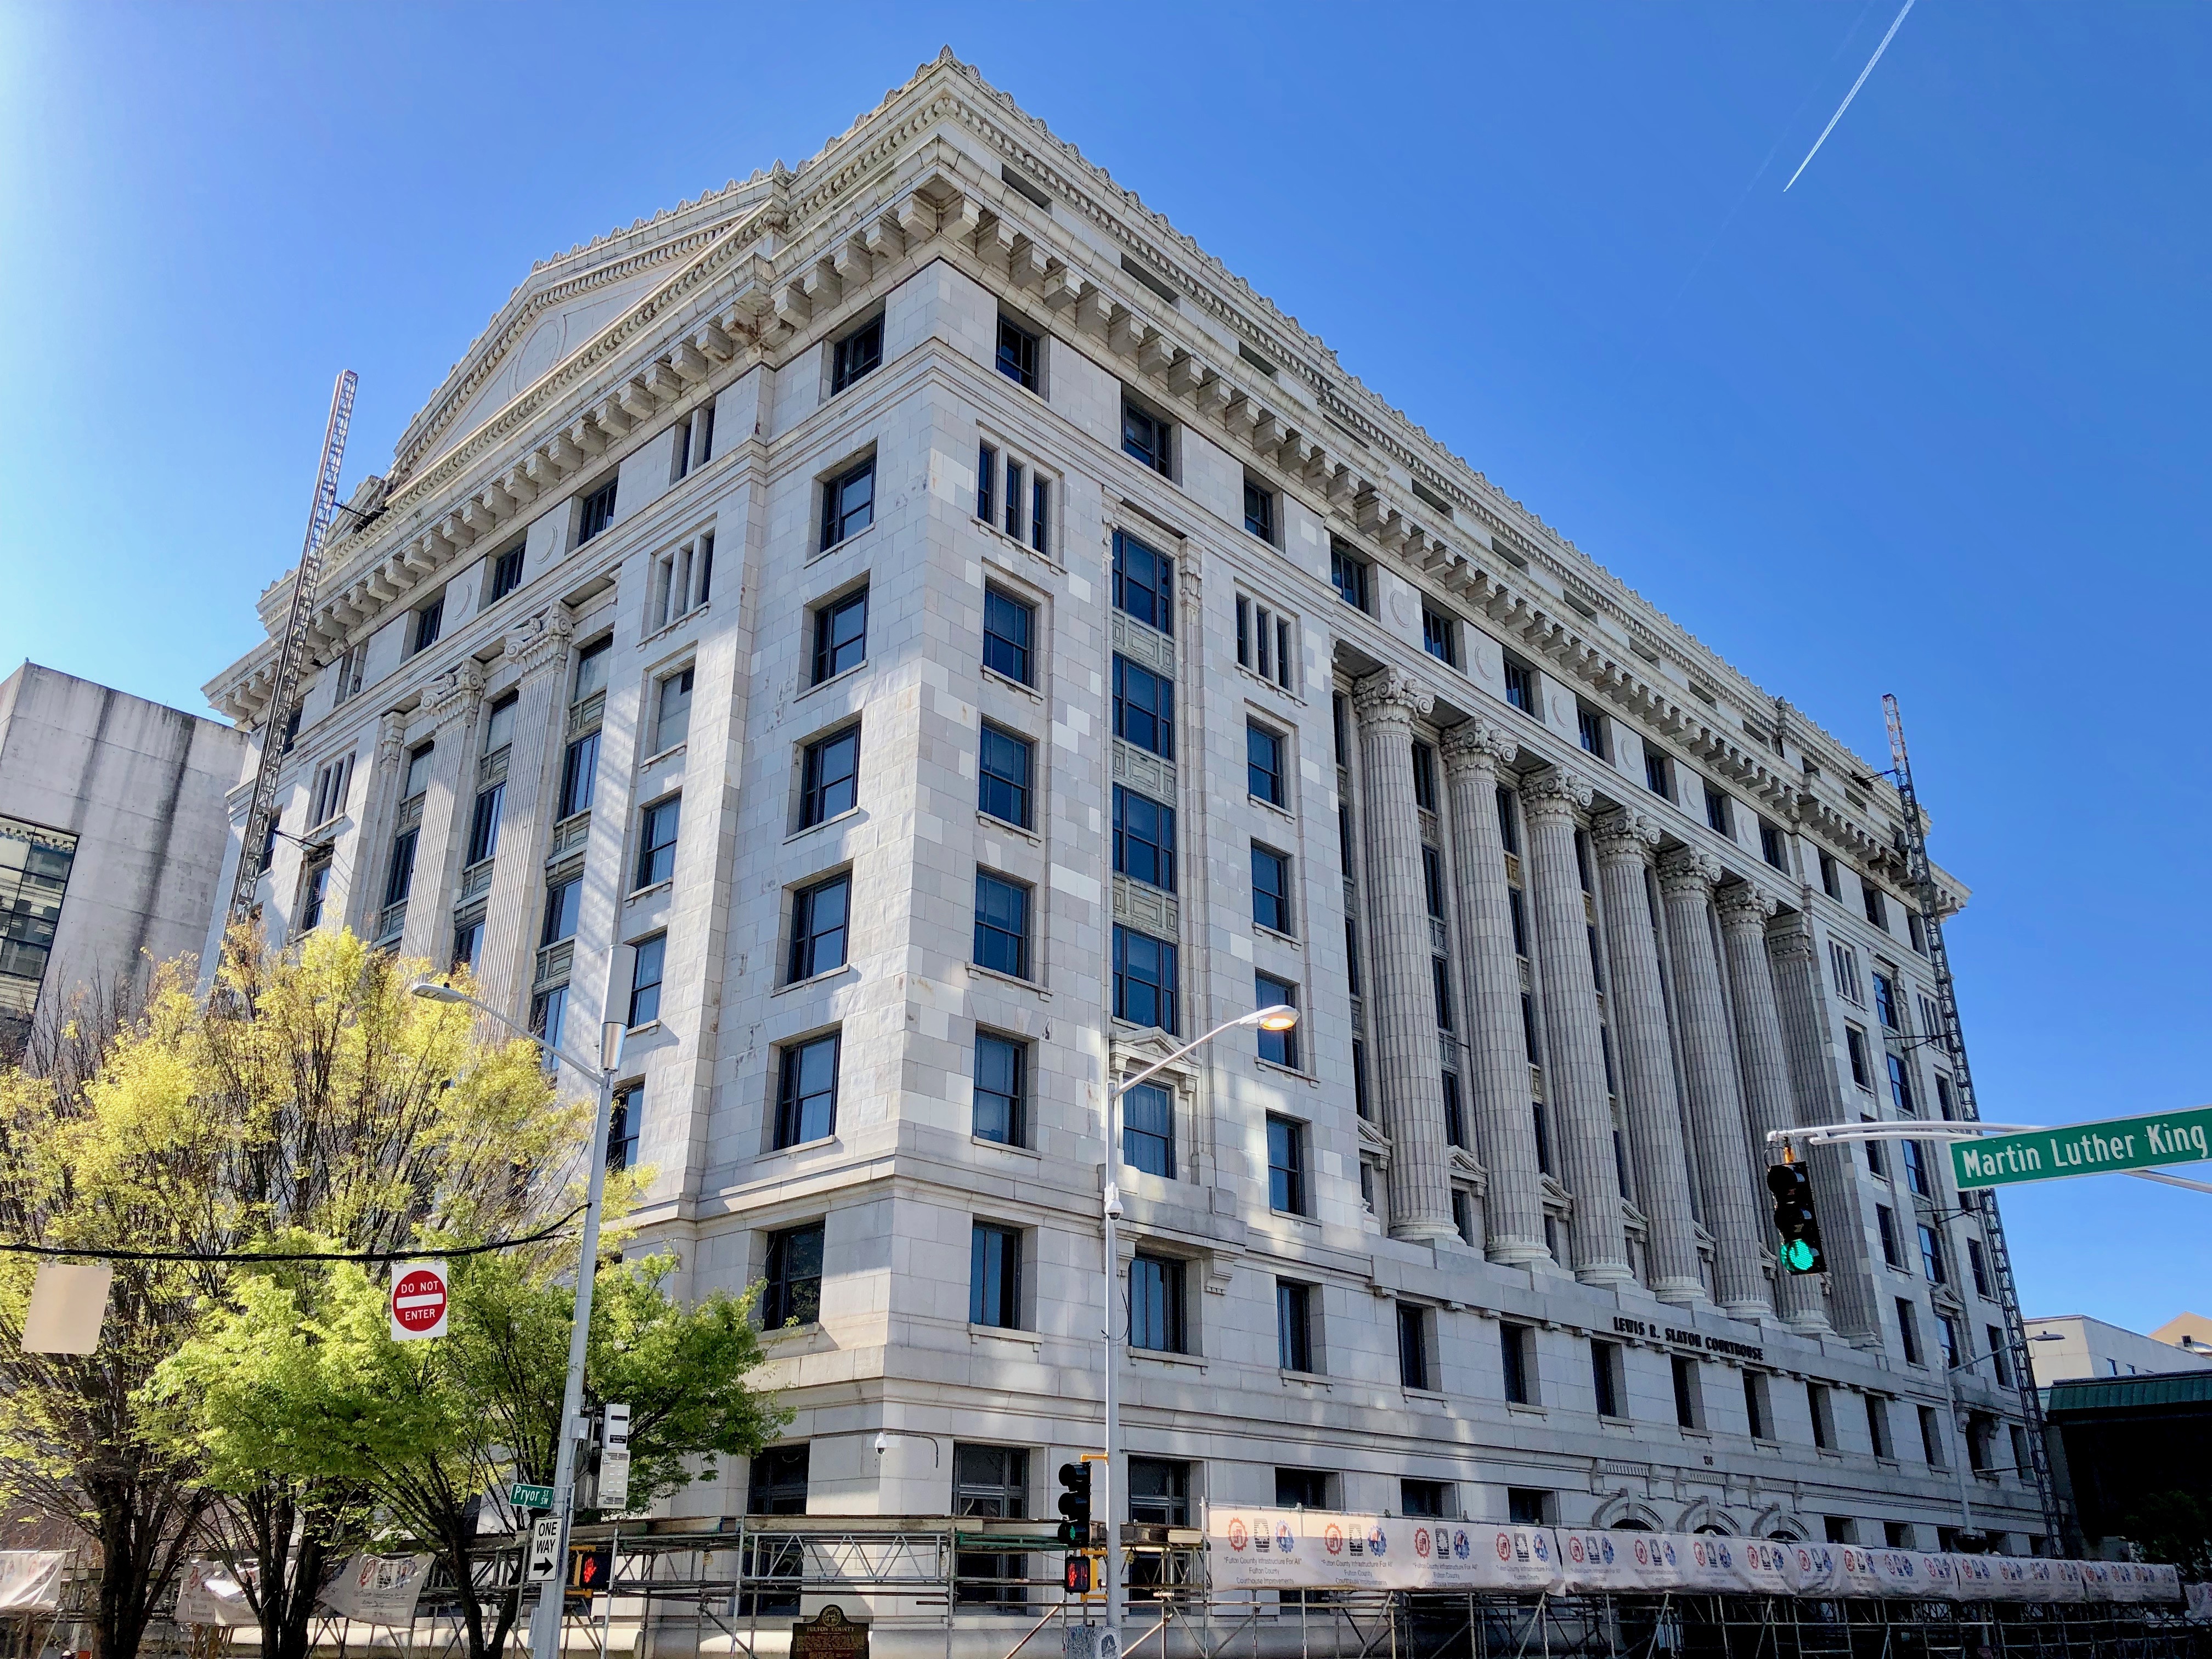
point(2068, 1346)
point(917, 639)
point(111, 833)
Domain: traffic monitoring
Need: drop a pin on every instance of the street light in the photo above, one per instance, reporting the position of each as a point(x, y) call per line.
point(545, 1622)
point(1967, 1528)
point(1278, 1016)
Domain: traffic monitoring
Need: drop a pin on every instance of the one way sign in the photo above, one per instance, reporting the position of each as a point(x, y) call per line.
point(545, 1547)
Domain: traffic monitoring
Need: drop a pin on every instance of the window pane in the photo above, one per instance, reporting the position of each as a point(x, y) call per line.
point(1271, 890)
point(1002, 926)
point(1263, 758)
point(1144, 709)
point(1148, 1130)
point(1280, 1046)
point(1144, 978)
point(840, 636)
point(673, 723)
point(1006, 630)
point(1001, 1064)
point(1143, 583)
point(994, 1276)
point(829, 778)
point(807, 1102)
point(1286, 1166)
point(1144, 839)
point(645, 980)
point(820, 915)
point(793, 1292)
point(1004, 785)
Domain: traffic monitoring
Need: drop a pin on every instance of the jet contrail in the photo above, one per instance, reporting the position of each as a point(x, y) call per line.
point(1847, 96)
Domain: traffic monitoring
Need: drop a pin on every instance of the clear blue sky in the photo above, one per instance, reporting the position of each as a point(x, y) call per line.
point(1933, 423)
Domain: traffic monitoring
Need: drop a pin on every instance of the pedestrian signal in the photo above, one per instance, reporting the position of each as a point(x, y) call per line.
point(1075, 1505)
point(1075, 1570)
point(1792, 1187)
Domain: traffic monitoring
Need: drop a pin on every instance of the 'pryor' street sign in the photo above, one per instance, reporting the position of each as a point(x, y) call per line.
point(2079, 1149)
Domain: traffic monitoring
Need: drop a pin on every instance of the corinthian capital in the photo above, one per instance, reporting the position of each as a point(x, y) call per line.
point(1742, 905)
point(1555, 794)
point(1686, 869)
point(540, 638)
point(453, 693)
point(1623, 834)
point(1391, 693)
point(1478, 746)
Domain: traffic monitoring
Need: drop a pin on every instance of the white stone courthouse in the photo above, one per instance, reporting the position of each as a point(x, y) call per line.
point(917, 639)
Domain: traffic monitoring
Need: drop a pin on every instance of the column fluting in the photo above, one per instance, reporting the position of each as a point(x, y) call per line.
point(454, 698)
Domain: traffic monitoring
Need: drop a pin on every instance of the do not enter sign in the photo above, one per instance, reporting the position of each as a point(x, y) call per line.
point(418, 1302)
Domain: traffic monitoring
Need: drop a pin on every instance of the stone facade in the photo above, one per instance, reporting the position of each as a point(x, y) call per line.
point(1550, 991)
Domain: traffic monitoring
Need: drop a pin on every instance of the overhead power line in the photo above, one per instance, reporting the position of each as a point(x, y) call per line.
point(438, 1254)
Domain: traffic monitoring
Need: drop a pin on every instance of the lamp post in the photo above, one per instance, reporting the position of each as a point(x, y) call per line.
point(1967, 1530)
point(1281, 1017)
point(545, 1621)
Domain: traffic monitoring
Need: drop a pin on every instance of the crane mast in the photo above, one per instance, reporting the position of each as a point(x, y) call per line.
point(292, 652)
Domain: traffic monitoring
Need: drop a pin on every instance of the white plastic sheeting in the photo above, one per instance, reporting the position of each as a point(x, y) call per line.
point(31, 1580)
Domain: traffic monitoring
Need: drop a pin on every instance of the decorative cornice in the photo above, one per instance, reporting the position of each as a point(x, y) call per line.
point(1476, 746)
point(1391, 693)
point(1686, 870)
point(1552, 793)
point(1622, 836)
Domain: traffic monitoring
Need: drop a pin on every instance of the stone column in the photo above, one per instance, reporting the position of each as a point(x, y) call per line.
point(539, 648)
point(1801, 992)
point(454, 699)
point(1407, 1063)
point(1574, 1074)
point(1769, 1099)
point(371, 837)
point(1637, 1002)
point(1732, 1207)
point(1498, 1061)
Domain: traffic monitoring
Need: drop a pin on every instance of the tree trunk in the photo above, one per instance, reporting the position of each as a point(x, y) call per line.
point(142, 1538)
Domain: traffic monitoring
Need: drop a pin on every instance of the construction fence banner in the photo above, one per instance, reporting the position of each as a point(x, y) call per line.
point(1261, 1549)
point(210, 1593)
point(31, 1580)
point(377, 1589)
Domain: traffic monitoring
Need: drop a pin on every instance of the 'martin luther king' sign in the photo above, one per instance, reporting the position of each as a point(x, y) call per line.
point(2079, 1149)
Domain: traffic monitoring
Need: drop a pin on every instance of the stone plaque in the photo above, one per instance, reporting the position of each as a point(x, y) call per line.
point(829, 1635)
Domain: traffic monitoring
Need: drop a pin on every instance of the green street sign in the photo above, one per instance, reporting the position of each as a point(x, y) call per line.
point(2081, 1149)
point(530, 1498)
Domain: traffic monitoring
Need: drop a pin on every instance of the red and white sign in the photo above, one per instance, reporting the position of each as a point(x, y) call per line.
point(418, 1302)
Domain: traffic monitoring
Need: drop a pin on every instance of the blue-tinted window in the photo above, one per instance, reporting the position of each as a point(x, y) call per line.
point(1271, 890)
point(656, 841)
point(1264, 764)
point(1002, 1089)
point(1280, 1046)
point(1286, 1166)
point(848, 502)
point(1008, 626)
point(840, 636)
point(1144, 839)
point(1004, 763)
point(1002, 924)
point(1143, 583)
point(648, 964)
point(1148, 438)
point(1148, 1130)
point(806, 1092)
point(829, 776)
point(1144, 980)
point(1144, 709)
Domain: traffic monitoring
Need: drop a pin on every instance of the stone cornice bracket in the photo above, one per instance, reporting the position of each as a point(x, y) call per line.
point(391, 738)
point(1623, 834)
point(1554, 793)
point(453, 694)
point(1742, 905)
point(1391, 695)
point(540, 638)
point(1477, 746)
point(1686, 869)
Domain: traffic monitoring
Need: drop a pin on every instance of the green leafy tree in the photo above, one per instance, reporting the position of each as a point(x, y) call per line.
point(2175, 1528)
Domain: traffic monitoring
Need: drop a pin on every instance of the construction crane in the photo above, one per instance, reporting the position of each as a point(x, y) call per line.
point(1981, 1204)
point(292, 654)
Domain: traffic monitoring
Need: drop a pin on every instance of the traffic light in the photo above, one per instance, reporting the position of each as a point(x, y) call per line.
point(590, 1567)
point(1075, 1574)
point(1792, 1187)
point(1075, 1505)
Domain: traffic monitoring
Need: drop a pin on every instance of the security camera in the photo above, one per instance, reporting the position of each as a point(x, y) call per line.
point(883, 1442)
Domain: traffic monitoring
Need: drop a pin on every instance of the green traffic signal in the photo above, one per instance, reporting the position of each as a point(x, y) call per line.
point(1792, 1187)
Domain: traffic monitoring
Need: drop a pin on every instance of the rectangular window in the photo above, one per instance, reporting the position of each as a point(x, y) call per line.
point(1002, 1082)
point(1144, 708)
point(1292, 1326)
point(1979, 1265)
point(1148, 438)
point(1440, 635)
point(1855, 1044)
point(1264, 645)
point(1876, 911)
point(579, 769)
point(1516, 1346)
point(656, 841)
point(1002, 924)
point(1281, 1047)
point(1884, 1000)
point(1771, 847)
point(1440, 982)
point(791, 1289)
point(597, 513)
point(1009, 624)
point(672, 718)
point(1015, 471)
point(400, 880)
point(1428, 1500)
point(821, 916)
point(680, 582)
point(1286, 1166)
point(840, 636)
point(1433, 881)
point(1348, 572)
point(860, 352)
point(564, 899)
point(315, 886)
point(1947, 1340)
point(1946, 1101)
point(648, 961)
point(1509, 823)
point(1821, 1404)
point(849, 503)
point(1464, 1217)
point(1159, 1493)
point(1455, 1113)
point(1148, 1130)
point(1877, 1410)
point(1017, 353)
point(1917, 930)
point(806, 1091)
point(333, 784)
point(1931, 1257)
point(1915, 1168)
point(1885, 1221)
point(1931, 1017)
point(549, 1011)
point(1931, 1439)
point(986, 483)
point(1143, 583)
point(1144, 839)
point(346, 678)
point(1144, 980)
point(1831, 881)
point(1156, 1304)
point(1843, 964)
point(1521, 686)
point(505, 574)
point(2000, 1358)
point(1271, 890)
point(484, 824)
point(1908, 1331)
point(1589, 728)
point(468, 938)
point(1266, 764)
point(1718, 815)
point(695, 442)
point(1003, 768)
point(429, 622)
point(994, 1276)
point(1519, 913)
point(1260, 510)
point(1658, 774)
point(1424, 776)
point(1040, 512)
point(625, 1122)
point(1527, 1506)
point(777, 1485)
point(1900, 1085)
point(1605, 1376)
point(828, 777)
point(1756, 1412)
point(1689, 1407)
point(1415, 1371)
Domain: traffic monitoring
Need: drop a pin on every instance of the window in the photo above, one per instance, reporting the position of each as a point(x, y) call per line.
point(671, 714)
point(777, 1486)
point(1148, 438)
point(1258, 510)
point(1931, 1017)
point(1771, 847)
point(1884, 1000)
point(1831, 881)
point(1931, 1439)
point(1144, 980)
point(1280, 1048)
point(1605, 1376)
point(1003, 763)
point(333, 784)
point(1427, 1499)
point(1144, 709)
point(1877, 1410)
point(597, 513)
point(1819, 1398)
point(987, 482)
point(346, 678)
point(1014, 473)
point(840, 636)
point(1756, 1411)
point(656, 841)
point(1946, 1101)
point(1002, 1079)
point(828, 777)
point(1931, 1256)
point(1159, 1493)
point(579, 773)
point(1002, 924)
point(849, 503)
point(994, 1276)
point(468, 938)
point(1433, 881)
point(791, 1293)
point(1908, 1331)
point(1415, 1371)
point(1143, 583)
point(314, 887)
point(1519, 913)
point(1264, 644)
point(1590, 727)
point(1360, 1103)
point(1440, 635)
point(429, 620)
point(505, 574)
point(1286, 1166)
point(1947, 1340)
point(1440, 982)
point(1424, 776)
point(1978, 1266)
point(1294, 1343)
point(1916, 1167)
point(1855, 1043)
point(1900, 1085)
point(1521, 686)
point(993, 1482)
point(1008, 627)
point(591, 670)
point(858, 353)
point(1843, 964)
point(1716, 812)
point(1917, 930)
point(1658, 774)
point(695, 442)
point(1301, 1489)
point(1265, 765)
point(1885, 1221)
point(679, 582)
point(564, 898)
point(1270, 890)
point(647, 963)
point(1156, 1304)
point(1455, 1113)
point(1527, 1506)
point(820, 917)
point(806, 1091)
point(1897, 1534)
point(1875, 1162)
point(1017, 353)
point(1349, 574)
point(1463, 1217)
point(484, 824)
point(625, 1121)
point(1689, 1405)
point(1516, 1346)
point(1144, 839)
point(1148, 1130)
point(1876, 911)
point(549, 1011)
